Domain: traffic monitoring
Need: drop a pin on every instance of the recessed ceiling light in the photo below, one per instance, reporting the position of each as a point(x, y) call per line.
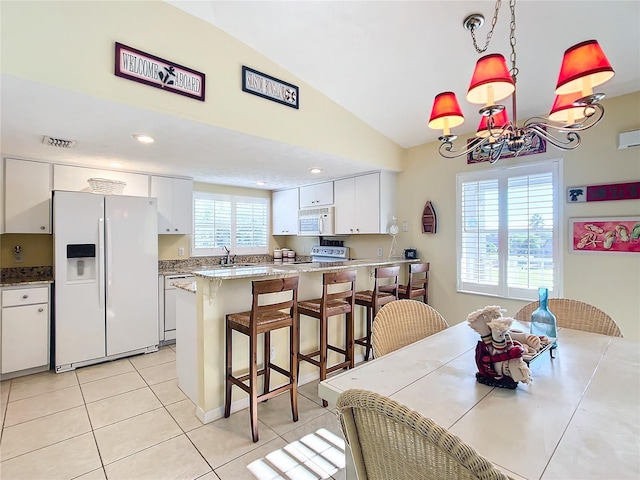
point(142, 138)
point(115, 164)
point(315, 170)
point(261, 183)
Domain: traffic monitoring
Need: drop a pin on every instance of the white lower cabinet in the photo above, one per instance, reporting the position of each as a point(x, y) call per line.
point(24, 329)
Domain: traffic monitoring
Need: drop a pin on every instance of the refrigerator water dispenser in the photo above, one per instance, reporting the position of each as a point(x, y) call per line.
point(81, 262)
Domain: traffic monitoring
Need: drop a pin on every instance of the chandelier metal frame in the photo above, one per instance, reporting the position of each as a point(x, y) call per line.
point(510, 137)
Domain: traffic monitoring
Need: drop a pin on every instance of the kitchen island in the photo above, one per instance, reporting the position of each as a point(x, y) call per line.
point(224, 290)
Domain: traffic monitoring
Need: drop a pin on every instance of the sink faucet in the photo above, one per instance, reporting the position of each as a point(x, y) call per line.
point(227, 260)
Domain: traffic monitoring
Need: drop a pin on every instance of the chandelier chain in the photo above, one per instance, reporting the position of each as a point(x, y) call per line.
point(512, 40)
point(490, 34)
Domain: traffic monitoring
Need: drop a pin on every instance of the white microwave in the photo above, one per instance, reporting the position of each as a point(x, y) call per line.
point(316, 221)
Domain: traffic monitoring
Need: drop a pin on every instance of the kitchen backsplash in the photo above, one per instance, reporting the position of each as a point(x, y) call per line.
point(26, 272)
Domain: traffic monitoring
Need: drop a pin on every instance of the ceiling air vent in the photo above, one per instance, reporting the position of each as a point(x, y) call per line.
point(58, 142)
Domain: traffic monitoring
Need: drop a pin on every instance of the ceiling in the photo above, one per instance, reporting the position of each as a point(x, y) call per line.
point(383, 61)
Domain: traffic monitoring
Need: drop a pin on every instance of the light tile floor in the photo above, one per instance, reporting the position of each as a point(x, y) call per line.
point(127, 419)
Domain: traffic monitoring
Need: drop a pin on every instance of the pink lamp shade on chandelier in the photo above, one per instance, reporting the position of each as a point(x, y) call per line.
point(491, 81)
point(500, 119)
point(446, 112)
point(564, 111)
point(584, 66)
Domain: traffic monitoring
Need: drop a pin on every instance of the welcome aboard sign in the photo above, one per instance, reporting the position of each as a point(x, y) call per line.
point(142, 67)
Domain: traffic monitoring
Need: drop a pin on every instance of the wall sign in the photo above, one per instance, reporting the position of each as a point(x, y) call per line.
point(144, 68)
point(613, 234)
point(269, 87)
point(600, 193)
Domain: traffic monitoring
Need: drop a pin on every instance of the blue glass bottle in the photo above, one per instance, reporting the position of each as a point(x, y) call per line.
point(543, 322)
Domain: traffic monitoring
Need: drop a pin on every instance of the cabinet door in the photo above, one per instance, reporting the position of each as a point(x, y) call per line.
point(308, 196)
point(345, 206)
point(175, 204)
point(74, 179)
point(324, 193)
point(28, 196)
point(367, 203)
point(162, 189)
point(182, 206)
point(25, 337)
point(285, 212)
point(312, 196)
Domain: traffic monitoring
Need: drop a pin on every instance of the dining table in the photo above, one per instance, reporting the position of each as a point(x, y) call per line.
point(579, 418)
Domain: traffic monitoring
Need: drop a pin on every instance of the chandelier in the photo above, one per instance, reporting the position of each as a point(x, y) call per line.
point(576, 107)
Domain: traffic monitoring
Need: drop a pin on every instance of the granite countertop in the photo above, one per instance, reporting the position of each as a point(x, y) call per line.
point(272, 269)
point(19, 281)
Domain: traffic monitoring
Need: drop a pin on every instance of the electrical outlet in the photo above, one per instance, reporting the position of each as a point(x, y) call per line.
point(405, 227)
point(272, 354)
point(380, 251)
point(181, 251)
point(304, 249)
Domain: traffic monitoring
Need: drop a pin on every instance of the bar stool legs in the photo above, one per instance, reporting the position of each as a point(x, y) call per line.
point(372, 300)
point(330, 305)
point(263, 319)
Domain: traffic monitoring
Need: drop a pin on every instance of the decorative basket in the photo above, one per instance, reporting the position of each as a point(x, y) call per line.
point(106, 186)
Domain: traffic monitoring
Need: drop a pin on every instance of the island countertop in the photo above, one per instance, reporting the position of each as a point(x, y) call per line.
point(272, 269)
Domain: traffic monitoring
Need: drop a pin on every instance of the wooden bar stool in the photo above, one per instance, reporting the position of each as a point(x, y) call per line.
point(417, 284)
point(264, 318)
point(331, 304)
point(372, 300)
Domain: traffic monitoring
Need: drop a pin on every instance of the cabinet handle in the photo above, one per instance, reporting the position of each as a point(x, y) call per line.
point(25, 296)
point(176, 229)
point(168, 229)
point(42, 227)
point(41, 310)
point(351, 229)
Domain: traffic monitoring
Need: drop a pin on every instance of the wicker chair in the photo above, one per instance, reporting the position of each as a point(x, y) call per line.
point(575, 315)
point(403, 322)
point(390, 441)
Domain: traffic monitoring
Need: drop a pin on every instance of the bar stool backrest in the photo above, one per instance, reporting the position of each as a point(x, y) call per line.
point(417, 281)
point(338, 278)
point(389, 287)
point(260, 306)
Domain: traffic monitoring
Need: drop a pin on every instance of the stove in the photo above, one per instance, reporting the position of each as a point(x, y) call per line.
point(329, 254)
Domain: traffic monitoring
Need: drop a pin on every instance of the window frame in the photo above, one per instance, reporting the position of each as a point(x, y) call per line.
point(233, 247)
point(502, 175)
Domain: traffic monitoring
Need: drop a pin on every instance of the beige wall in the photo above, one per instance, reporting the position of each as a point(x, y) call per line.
point(608, 281)
point(37, 250)
point(71, 45)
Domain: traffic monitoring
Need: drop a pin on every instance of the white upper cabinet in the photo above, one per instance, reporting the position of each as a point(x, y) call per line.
point(285, 212)
point(27, 196)
point(175, 204)
point(75, 179)
point(312, 196)
point(364, 204)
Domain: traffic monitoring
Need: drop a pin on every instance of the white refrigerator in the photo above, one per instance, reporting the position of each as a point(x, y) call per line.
point(106, 277)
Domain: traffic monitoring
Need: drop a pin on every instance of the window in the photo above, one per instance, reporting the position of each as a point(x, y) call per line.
point(238, 223)
point(508, 240)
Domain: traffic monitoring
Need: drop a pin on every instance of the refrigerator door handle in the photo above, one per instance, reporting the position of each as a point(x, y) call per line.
point(108, 256)
point(101, 290)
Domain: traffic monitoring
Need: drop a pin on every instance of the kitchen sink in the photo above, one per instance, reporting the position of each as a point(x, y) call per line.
point(232, 265)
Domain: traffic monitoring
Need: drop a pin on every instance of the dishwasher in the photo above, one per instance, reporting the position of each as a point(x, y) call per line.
point(168, 306)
